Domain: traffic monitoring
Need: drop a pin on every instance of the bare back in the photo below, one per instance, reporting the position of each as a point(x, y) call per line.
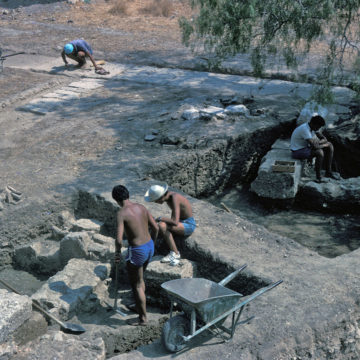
point(177, 200)
point(136, 224)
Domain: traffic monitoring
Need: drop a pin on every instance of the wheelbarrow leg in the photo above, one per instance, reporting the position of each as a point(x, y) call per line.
point(171, 308)
point(193, 322)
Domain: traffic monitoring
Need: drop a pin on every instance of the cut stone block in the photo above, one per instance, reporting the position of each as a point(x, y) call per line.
point(14, 311)
point(86, 225)
point(61, 346)
point(74, 245)
point(73, 289)
point(32, 328)
point(57, 233)
point(277, 185)
point(102, 248)
point(41, 257)
point(158, 272)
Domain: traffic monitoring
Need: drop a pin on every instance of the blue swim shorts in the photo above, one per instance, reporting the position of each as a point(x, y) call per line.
point(139, 255)
point(304, 153)
point(189, 225)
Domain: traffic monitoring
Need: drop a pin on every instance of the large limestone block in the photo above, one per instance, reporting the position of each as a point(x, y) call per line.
point(332, 195)
point(60, 346)
point(101, 248)
point(86, 225)
point(14, 311)
point(70, 223)
point(74, 245)
point(277, 185)
point(157, 273)
point(32, 328)
point(74, 288)
point(41, 257)
point(66, 219)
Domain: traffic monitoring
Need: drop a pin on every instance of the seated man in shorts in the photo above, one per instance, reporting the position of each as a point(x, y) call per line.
point(306, 142)
point(78, 50)
point(181, 222)
point(134, 220)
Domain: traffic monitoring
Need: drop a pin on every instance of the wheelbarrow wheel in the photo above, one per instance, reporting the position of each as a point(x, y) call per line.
point(173, 331)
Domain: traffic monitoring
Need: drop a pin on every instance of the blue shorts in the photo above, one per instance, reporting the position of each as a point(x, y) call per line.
point(189, 225)
point(139, 255)
point(304, 153)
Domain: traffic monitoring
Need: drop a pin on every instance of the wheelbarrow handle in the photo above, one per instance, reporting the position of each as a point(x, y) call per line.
point(223, 282)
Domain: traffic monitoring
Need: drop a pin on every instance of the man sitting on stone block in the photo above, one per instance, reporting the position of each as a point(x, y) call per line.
point(134, 220)
point(78, 50)
point(306, 142)
point(181, 222)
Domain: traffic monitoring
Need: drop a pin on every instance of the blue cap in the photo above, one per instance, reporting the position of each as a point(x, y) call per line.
point(68, 48)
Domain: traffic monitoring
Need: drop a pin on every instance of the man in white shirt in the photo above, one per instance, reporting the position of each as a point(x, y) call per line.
point(306, 142)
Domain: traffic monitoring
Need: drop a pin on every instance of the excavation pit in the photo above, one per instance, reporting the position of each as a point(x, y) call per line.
point(78, 282)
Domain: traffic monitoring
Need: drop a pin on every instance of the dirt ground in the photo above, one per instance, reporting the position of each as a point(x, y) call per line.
point(136, 37)
point(100, 140)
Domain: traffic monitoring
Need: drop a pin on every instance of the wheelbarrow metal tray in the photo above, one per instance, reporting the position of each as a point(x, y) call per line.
point(208, 298)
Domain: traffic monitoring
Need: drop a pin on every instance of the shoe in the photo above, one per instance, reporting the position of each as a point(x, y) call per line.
point(174, 262)
point(172, 255)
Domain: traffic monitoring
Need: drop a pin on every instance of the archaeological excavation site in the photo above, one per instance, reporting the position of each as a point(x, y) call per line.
point(270, 272)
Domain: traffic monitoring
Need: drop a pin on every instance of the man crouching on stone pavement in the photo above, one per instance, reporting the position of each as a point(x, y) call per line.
point(306, 142)
point(181, 222)
point(134, 220)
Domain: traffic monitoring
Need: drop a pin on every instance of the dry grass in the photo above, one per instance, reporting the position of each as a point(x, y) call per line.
point(158, 8)
point(120, 8)
point(155, 8)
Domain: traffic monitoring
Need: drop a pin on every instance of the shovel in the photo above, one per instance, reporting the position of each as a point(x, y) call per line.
point(116, 292)
point(66, 327)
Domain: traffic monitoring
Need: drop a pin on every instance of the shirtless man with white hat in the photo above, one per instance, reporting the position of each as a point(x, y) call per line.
point(181, 222)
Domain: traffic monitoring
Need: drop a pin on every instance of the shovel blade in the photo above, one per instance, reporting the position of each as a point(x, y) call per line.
point(73, 328)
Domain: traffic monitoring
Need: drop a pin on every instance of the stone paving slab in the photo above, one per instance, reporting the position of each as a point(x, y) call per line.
point(86, 84)
point(41, 106)
point(62, 95)
point(242, 85)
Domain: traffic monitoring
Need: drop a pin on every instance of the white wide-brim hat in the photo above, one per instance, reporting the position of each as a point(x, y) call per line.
point(155, 192)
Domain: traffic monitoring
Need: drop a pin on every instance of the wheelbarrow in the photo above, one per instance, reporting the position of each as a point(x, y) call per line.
point(205, 304)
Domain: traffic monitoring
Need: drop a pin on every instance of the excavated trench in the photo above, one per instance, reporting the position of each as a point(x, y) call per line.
point(222, 175)
point(211, 174)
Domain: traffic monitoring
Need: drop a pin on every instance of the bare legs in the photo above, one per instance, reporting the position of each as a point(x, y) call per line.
point(80, 58)
point(167, 232)
point(327, 153)
point(136, 277)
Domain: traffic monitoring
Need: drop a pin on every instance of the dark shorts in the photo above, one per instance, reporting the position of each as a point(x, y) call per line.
point(139, 255)
point(304, 153)
point(189, 225)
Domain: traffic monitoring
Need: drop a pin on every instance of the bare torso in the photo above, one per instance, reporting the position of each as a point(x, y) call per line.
point(184, 205)
point(136, 221)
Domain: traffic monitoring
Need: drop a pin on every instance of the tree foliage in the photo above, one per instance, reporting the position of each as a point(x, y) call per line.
point(286, 28)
